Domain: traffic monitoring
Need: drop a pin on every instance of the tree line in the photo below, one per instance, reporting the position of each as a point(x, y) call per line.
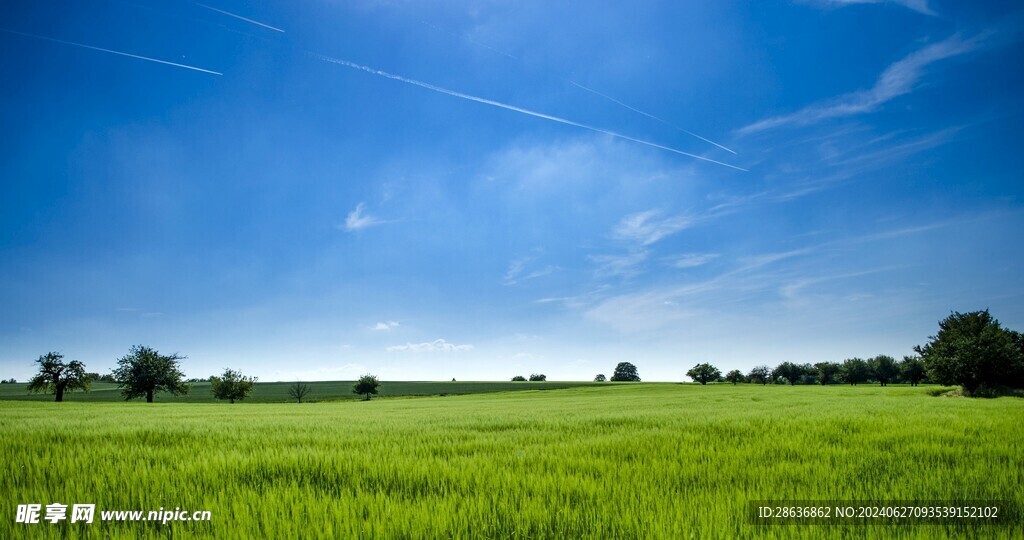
point(144, 372)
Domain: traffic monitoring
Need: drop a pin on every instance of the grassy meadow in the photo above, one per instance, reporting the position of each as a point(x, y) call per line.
point(614, 461)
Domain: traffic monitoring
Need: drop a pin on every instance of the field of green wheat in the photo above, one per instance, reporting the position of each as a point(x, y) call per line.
point(614, 461)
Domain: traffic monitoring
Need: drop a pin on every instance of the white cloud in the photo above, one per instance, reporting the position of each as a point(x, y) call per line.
point(898, 79)
point(645, 228)
point(690, 260)
point(358, 219)
point(920, 6)
point(438, 345)
point(627, 265)
point(389, 325)
point(517, 271)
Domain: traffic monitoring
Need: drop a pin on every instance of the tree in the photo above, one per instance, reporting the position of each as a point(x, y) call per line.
point(538, 377)
point(55, 376)
point(883, 369)
point(789, 371)
point(974, 351)
point(760, 374)
point(600, 378)
point(853, 371)
point(625, 372)
point(144, 372)
point(366, 385)
point(298, 390)
point(704, 373)
point(735, 376)
point(232, 385)
point(827, 372)
point(912, 370)
point(518, 378)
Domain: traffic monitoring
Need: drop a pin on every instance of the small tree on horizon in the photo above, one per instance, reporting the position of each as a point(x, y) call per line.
point(789, 371)
point(760, 374)
point(625, 372)
point(144, 372)
point(853, 371)
point(538, 377)
point(704, 373)
point(518, 378)
point(912, 369)
point(735, 376)
point(298, 390)
point(232, 385)
point(366, 385)
point(57, 377)
point(883, 369)
point(826, 372)
point(600, 378)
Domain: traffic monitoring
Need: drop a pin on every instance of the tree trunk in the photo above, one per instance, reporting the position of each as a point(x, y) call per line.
point(149, 396)
point(60, 393)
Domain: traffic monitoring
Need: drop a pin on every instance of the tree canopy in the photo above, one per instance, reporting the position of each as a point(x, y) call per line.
point(704, 373)
point(144, 372)
point(974, 351)
point(232, 385)
point(366, 385)
point(600, 378)
point(57, 377)
point(760, 374)
point(735, 376)
point(625, 372)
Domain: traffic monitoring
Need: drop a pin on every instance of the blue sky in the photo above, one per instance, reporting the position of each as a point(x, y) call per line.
point(428, 190)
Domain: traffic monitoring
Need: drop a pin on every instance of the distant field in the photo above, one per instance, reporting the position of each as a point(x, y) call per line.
point(610, 461)
point(277, 392)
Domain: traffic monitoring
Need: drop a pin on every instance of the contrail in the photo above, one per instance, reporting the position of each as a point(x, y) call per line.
point(112, 52)
point(229, 14)
point(441, 90)
point(634, 109)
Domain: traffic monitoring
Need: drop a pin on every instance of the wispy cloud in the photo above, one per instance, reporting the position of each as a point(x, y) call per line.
point(438, 345)
point(920, 6)
point(359, 219)
point(518, 271)
point(384, 326)
point(627, 265)
point(898, 79)
point(691, 260)
point(646, 228)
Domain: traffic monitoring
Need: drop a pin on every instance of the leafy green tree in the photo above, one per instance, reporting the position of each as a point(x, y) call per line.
point(760, 374)
point(232, 385)
point(366, 385)
point(912, 370)
point(625, 372)
point(735, 376)
point(789, 371)
point(600, 378)
point(298, 390)
point(518, 378)
point(144, 372)
point(974, 351)
point(883, 369)
point(854, 371)
point(538, 377)
point(57, 377)
point(704, 373)
point(826, 372)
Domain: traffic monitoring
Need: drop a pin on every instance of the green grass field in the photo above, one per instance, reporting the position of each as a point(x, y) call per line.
point(613, 461)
